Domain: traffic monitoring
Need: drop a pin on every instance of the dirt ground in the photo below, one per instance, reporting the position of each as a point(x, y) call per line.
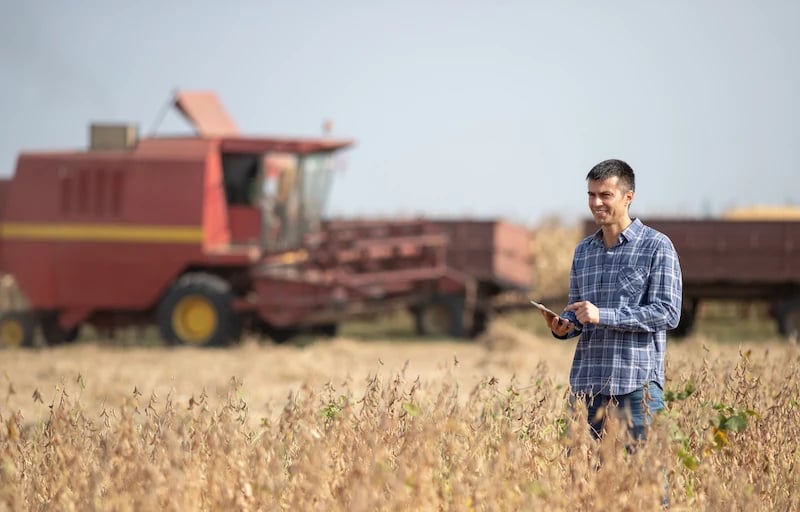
point(102, 375)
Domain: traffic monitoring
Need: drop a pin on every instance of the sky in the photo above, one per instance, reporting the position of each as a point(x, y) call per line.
point(481, 109)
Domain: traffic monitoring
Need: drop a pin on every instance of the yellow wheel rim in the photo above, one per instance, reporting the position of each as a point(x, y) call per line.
point(11, 332)
point(194, 319)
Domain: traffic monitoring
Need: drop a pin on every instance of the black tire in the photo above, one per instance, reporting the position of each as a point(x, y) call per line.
point(330, 330)
point(480, 322)
point(281, 335)
point(53, 333)
point(440, 317)
point(198, 310)
point(789, 318)
point(687, 320)
point(16, 329)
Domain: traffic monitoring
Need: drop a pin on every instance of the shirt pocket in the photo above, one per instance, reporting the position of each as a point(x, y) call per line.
point(631, 283)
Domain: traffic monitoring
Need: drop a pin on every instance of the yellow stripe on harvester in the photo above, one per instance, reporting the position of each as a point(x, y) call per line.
point(100, 232)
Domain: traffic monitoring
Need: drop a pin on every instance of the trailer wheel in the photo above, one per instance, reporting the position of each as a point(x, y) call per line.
point(687, 320)
point(441, 316)
point(16, 329)
point(329, 330)
point(198, 310)
point(281, 335)
point(54, 334)
point(480, 322)
point(789, 318)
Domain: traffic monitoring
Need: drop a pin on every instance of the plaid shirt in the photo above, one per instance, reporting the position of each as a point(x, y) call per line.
point(637, 286)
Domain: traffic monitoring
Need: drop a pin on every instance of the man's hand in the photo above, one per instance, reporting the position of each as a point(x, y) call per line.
point(558, 325)
point(585, 311)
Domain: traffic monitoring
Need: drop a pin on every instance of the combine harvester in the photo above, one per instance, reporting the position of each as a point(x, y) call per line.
point(209, 235)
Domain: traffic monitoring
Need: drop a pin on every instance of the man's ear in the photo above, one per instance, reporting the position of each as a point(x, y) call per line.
point(629, 196)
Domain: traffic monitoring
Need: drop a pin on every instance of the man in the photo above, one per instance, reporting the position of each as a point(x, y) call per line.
point(625, 293)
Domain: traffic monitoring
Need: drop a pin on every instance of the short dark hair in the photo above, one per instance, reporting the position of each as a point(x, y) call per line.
point(613, 167)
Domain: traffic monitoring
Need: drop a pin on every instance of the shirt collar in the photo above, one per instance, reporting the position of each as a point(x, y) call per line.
point(632, 232)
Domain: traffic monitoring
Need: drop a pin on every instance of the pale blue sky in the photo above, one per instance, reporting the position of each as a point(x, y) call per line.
point(488, 109)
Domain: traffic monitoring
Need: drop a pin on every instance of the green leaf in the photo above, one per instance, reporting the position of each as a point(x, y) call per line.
point(736, 423)
point(688, 460)
point(561, 426)
point(690, 388)
point(331, 410)
point(411, 409)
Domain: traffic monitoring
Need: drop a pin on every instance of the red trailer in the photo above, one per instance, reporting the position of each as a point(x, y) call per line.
point(206, 235)
point(741, 259)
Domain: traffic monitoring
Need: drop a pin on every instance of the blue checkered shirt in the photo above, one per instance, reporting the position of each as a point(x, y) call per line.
point(637, 286)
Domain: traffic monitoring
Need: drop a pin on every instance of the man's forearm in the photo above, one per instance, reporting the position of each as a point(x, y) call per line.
point(649, 318)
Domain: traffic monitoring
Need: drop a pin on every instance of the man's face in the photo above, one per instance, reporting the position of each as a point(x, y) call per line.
point(607, 202)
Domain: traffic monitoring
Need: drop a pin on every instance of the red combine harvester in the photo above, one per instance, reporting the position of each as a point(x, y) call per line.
point(211, 234)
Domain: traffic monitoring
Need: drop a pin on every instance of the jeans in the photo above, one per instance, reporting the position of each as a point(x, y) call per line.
point(636, 409)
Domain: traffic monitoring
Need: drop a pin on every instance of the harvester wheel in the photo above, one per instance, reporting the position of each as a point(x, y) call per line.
point(16, 329)
point(441, 316)
point(198, 310)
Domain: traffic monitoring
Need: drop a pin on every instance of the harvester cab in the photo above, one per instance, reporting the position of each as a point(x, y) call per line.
point(277, 198)
point(275, 188)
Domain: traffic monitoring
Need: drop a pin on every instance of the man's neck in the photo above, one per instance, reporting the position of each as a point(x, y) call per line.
point(611, 232)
